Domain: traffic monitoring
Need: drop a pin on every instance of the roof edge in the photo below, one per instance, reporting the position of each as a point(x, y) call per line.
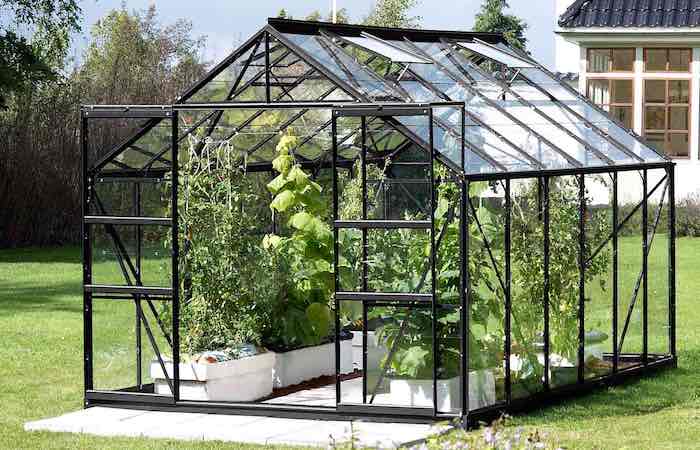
point(420, 35)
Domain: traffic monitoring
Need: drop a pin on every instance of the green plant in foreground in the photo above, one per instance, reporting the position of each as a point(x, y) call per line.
point(302, 312)
point(229, 286)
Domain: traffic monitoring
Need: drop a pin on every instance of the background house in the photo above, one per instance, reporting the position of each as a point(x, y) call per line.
point(640, 60)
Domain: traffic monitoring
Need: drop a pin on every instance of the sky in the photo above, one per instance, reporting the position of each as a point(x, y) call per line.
point(226, 23)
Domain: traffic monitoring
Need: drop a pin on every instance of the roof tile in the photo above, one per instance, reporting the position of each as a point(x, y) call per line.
point(631, 13)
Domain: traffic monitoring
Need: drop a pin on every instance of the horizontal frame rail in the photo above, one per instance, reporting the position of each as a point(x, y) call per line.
point(148, 290)
point(122, 220)
point(383, 224)
point(383, 296)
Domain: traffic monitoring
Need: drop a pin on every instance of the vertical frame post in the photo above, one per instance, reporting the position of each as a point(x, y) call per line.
point(433, 258)
point(336, 248)
point(175, 257)
point(545, 218)
point(615, 282)
point(363, 174)
point(672, 258)
point(464, 299)
point(645, 269)
point(267, 67)
point(464, 281)
point(508, 307)
point(86, 245)
point(581, 276)
point(137, 297)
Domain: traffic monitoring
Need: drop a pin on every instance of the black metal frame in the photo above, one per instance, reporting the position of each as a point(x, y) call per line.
point(141, 396)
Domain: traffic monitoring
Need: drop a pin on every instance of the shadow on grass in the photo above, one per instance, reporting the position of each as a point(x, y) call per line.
point(41, 255)
point(648, 394)
point(18, 297)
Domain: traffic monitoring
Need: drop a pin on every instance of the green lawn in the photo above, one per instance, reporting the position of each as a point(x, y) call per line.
point(41, 370)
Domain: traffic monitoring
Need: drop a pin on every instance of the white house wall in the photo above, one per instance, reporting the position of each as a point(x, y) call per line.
point(570, 56)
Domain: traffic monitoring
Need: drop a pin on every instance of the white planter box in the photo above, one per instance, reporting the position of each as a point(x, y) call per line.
point(240, 380)
point(419, 393)
point(375, 350)
point(297, 366)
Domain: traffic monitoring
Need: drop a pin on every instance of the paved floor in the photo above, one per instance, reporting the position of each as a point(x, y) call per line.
point(243, 429)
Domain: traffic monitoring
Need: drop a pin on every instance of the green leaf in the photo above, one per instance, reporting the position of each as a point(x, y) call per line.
point(319, 315)
point(282, 163)
point(302, 221)
point(277, 184)
point(283, 201)
point(297, 175)
point(412, 360)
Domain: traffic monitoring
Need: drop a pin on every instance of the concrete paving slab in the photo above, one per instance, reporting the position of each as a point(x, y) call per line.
point(232, 428)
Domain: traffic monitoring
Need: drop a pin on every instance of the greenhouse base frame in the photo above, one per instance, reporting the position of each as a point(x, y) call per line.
point(138, 397)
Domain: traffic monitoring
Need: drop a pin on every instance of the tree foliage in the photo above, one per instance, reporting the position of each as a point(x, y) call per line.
point(492, 18)
point(393, 13)
point(31, 60)
point(132, 59)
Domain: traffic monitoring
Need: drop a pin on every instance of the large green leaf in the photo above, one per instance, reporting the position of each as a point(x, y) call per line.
point(319, 316)
point(283, 201)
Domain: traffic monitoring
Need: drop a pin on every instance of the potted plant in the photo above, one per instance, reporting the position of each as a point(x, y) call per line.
point(301, 331)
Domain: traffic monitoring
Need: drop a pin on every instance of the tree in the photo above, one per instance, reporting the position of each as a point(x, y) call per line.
point(35, 59)
point(393, 13)
point(492, 19)
point(341, 16)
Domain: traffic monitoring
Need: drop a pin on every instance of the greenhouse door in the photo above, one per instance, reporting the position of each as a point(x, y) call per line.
point(130, 251)
point(381, 215)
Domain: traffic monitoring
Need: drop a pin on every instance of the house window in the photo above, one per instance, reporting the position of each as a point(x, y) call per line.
point(614, 96)
point(667, 59)
point(603, 60)
point(667, 115)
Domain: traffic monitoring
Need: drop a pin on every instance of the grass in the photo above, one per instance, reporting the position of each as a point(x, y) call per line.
point(41, 370)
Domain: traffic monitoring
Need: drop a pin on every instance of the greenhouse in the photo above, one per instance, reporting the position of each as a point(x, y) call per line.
point(344, 221)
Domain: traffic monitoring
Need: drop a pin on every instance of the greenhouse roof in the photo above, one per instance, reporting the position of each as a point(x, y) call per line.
point(518, 117)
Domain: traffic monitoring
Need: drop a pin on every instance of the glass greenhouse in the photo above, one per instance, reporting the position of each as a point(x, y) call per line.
point(364, 222)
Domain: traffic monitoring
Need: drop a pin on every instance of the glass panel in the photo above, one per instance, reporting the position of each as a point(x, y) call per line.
point(630, 193)
point(678, 118)
point(655, 91)
point(398, 261)
point(623, 59)
point(679, 59)
point(678, 91)
point(563, 280)
point(116, 333)
point(115, 197)
point(449, 362)
point(658, 315)
point(624, 114)
point(487, 299)
point(599, 344)
point(658, 140)
point(158, 316)
point(527, 314)
point(351, 387)
point(622, 91)
point(678, 144)
point(114, 359)
point(598, 60)
point(655, 118)
point(570, 97)
point(405, 379)
point(495, 54)
point(342, 66)
point(388, 51)
point(655, 59)
point(155, 260)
